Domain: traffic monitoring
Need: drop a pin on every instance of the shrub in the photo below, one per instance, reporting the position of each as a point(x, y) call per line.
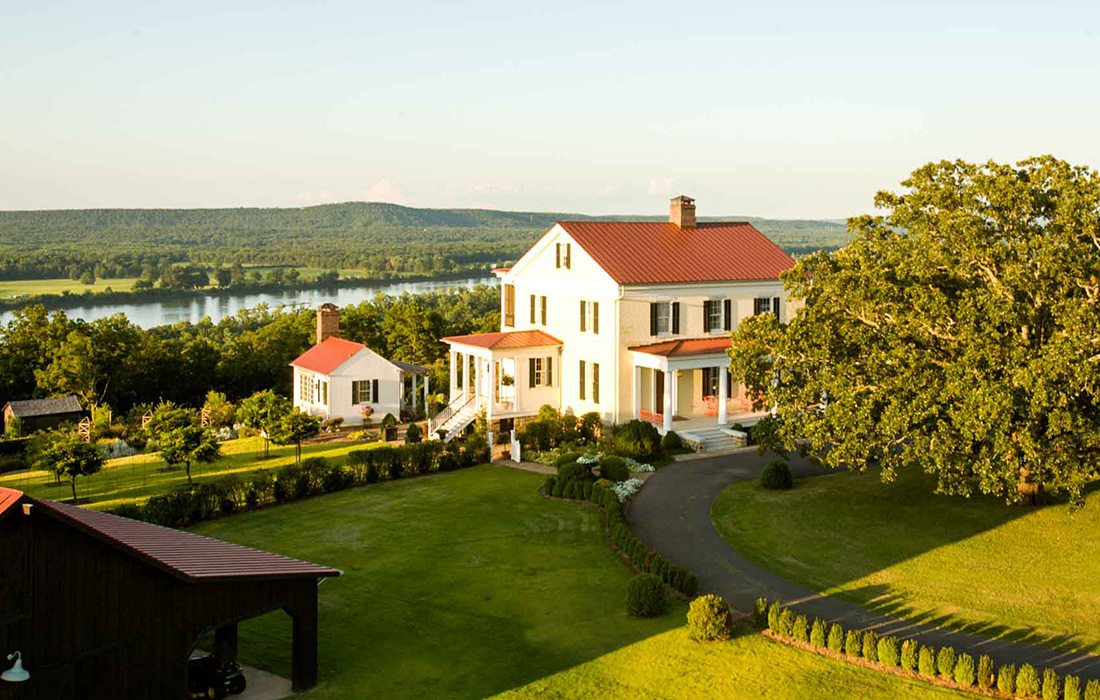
point(945, 662)
point(590, 427)
point(645, 596)
point(1050, 684)
point(690, 587)
point(1027, 681)
point(835, 641)
point(909, 649)
point(777, 476)
point(926, 661)
point(984, 673)
point(1092, 690)
point(870, 646)
point(800, 629)
point(786, 622)
point(671, 441)
point(1006, 679)
point(853, 643)
point(709, 619)
point(774, 611)
point(573, 471)
point(760, 613)
point(614, 468)
point(567, 458)
point(817, 633)
point(888, 651)
point(413, 434)
point(964, 670)
point(1071, 688)
point(637, 439)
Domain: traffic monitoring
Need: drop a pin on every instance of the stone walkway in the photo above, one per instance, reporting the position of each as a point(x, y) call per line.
point(672, 515)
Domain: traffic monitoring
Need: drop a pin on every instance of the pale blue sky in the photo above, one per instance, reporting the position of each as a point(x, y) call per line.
point(774, 109)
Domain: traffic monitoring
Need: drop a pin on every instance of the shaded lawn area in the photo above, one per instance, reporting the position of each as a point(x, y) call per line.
point(972, 564)
point(468, 584)
point(134, 479)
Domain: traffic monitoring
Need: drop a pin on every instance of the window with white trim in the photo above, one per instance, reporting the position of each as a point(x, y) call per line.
point(362, 391)
point(664, 318)
point(540, 372)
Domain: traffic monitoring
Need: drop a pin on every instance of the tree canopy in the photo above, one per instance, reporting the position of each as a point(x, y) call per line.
point(958, 332)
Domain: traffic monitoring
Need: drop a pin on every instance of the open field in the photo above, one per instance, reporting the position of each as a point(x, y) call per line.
point(15, 288)
point(134, 479)
point(468, 584)
point(971, 564)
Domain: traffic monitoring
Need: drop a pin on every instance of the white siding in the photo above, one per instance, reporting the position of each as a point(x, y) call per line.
point(366, 365)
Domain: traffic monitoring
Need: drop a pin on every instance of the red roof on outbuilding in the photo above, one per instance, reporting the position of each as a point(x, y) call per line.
point(8, 498)
point(506, 340)
point(326, 356)
point(687, 347)
point(658, 252)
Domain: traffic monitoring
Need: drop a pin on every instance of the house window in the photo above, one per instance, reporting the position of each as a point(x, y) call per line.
point(717, 315)
point(365, 391)
point(590, 316)
point(324, 393)
point(580, 378)
point(540, 371)
point(764, 305)
point(538, 308)
point(710, 381)
point(595, 382)
point(305, 388)
point(509, 305)
point(660, 316)
point(563, 255)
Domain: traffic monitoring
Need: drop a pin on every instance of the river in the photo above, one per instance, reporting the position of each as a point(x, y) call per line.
point(148, 314)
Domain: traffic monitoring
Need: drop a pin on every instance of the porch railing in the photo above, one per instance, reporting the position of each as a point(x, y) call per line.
point(457, 404)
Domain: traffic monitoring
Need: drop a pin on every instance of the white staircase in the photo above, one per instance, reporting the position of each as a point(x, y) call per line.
point(453, 419)
point(714, 439)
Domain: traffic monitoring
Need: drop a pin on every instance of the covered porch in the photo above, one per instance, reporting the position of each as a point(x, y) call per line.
point(685, 385)
point(414, 388)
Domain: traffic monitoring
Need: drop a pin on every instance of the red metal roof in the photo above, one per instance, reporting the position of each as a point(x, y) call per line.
point(686, 347)
point(506, 340)
point(659, 252)
point(189, 556)
point(327, 355)
point(8, 498)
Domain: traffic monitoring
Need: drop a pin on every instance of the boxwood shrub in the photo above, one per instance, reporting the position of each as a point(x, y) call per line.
point(709, 619)
point(777, 476)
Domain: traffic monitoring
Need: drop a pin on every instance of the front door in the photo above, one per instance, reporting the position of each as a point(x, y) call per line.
point(659, 391)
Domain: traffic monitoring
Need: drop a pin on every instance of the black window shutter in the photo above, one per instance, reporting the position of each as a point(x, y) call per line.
point(582, 317)
point(675, 317)
point(531, 373)
point(775, 308)
point(706, 316)
point(596, 317)
point(544, 311)
point(549, 371)
point(568, 256)
point(596, 382)
point(653, 318)
point(374, 390)
point(756, 306)
point(557, 255)
point(532, 308)
point(354, 393)
point(727, 314)
point(729, 384)
point(581, 377)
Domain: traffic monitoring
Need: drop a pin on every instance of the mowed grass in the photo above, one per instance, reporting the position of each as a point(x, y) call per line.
point(468, 584)
point(134, 479)
point(15, 288)
point(974, 564)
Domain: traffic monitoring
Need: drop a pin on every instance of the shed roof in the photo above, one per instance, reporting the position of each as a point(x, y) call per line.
point(506, 340)
point(32, 408)
point(8, 498)
point(659, 252)
point(686, 347)
point(193, 558)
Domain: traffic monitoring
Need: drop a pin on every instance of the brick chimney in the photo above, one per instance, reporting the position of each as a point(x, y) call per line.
point(681, 211)
point(328, 321)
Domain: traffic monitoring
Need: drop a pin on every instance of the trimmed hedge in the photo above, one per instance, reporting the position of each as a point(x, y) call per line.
point(645, 596)
point(235, 494)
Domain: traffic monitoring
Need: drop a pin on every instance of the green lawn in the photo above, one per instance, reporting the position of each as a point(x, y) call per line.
point(13, 288)
point(469, 584)
point(134, 479)
point(972, 564)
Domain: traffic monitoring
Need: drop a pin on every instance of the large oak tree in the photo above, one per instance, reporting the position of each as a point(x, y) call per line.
point(958, 333)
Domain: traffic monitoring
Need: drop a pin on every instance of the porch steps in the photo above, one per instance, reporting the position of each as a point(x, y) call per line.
point(456, 423)
point(712, 439)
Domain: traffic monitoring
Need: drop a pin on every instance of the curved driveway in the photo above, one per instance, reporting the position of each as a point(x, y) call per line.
point(672, 515)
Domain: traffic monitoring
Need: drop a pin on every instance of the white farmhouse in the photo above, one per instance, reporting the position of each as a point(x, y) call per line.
point(629, 319)
point(338, 378)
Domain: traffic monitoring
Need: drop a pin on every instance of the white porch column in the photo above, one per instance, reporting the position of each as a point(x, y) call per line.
point(426, 394)
point(477, 380)
point(412, 392)
point(452, 388)
point(723, 396)
point(670, 378)
point(637, 392)
point(492, 392)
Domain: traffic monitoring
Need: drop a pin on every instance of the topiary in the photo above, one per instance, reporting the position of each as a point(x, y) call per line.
point(945, 662)
point(888, 651)
point(777, 476)
point(853, 643)
point(645, 596)
point(614, 468)
point(985, 672)
point(709, 619)
point(1027, 680)
point(1050, 684)
point(800, 629)
point(909, 649)
point(817, 633)
point(926, 661)
point(964, 670)
point(671, 441)
point(1071, 688)
point(870, 646)
point(835, 642)
point(413, 434)
point(760, 613)
point(1006, 679)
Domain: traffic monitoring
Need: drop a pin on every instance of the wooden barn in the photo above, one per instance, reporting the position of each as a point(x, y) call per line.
point(40, 414)
point(107, 607)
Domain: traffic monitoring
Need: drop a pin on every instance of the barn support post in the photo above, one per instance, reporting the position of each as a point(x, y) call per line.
point(303, 674)
point(225, 640)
